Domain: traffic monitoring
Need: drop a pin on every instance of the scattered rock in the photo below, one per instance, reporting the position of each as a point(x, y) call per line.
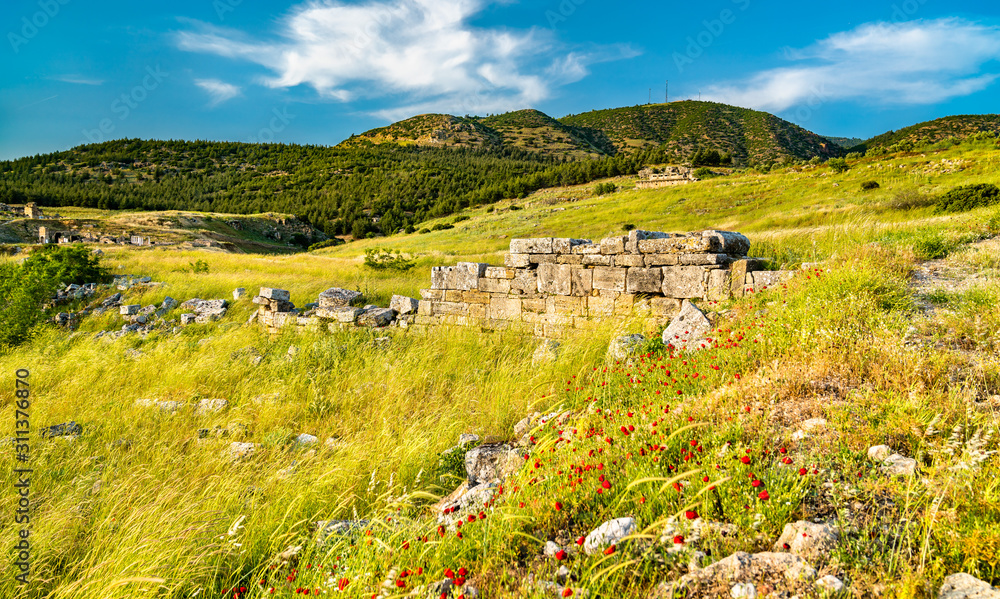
point(809, 427)
point(403, 305)
point(879, 453)
point(609, 533)
point(811, 541)
point(966, 586)
point(377, 317)
point(239, 292)
point(239, 450)
point(830, 584)
point(188, 318)
point(622, 348)
point(306, 439)
point(687, 331)
point(467, 439)
point(335, 297)
point(551, 549)
point(897, 465)
point(211, 406)
point(129, 310)
point(492, 462)
point(778, 570)
point(743, 590)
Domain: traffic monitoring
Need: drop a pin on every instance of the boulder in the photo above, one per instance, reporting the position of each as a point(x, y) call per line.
point(878, 453)
point(377, 317)
point(188, 318)
point(306, 439)
point(610, 533)
point(491, 462)
point(623, 347)
point(966, 586)
point(403, 305)
point(335, 297)
point(211, 406)
point(897, 465)
point(239, 292)
point(129, 310)
point(274, 294)
point(688, 329)
point(811, 541)
point(781, 571)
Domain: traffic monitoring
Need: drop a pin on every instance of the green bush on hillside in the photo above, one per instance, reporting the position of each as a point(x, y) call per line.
point(325, 244)
point(605, 188)
point(704, 173)
point(25, 287)
point(968, 197)
point(385, 259)
point(839, 165)
point(869, 185)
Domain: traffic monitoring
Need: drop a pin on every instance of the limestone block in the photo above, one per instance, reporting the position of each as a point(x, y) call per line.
point(478, 311)
point(335, 297)
point(449, 308)
point(525, 280)
point(475, 297)
point(516, 260)
point(536, 306)
point(440, 277)
point(613, 245)
point(634, 237)
point(494, 285)
point(505, 308)
point(737, 276)
point(600, 306)
point(704, 259)
point(571, 259)
point(677, 245)
point(611, 279)
point(661, 259)
point(728, 242)
point(466, 275)
point(719, 287)
point(274, 294)
point(453, 295)
point(665, 307)
point(499, 272)
point(129, 310)
point(542, 258)
point(542, 245)
point(565, 245)
point(630, 261)
point(345, 314)
point(426, 307)
point(432, 294)
point(582, 281)
point(554, 278)
point(683, 281)
point(403, 305)
point(598, 260)
point(563, 305)
point(643, 280)
point(587, 248)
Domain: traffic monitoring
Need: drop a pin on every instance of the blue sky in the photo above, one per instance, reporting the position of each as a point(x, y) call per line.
point(316, 72)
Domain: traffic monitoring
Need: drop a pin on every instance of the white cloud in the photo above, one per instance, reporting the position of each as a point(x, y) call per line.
point(918, 62)
point(422, 50)
point(77, 79)
point(218, 91)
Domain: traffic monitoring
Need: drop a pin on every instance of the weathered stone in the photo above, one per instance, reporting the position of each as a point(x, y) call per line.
point(188, 318)
point(439, 277)
point(830, 584)
point(611, 279)
point(878, 453)
point(403, 305)
point(239, 450)
point(609, 533)
point(554, 278)
point(643, 280)
point(738, 271)
point(432, 294)
point(543, 259)
point(535, 305)
point(664, 307)
point(211, 406)
point(542, 245)
point(897, 465)
point(565, 245)
point(565, 305)
point(239, 292)
point(497, 272)
point(623, 347)
point(688, 329)
point(651, 260)
point(587, 249)
point(129, 310)
point(574, 259)
point(504, 308)
point(597, 260)
point(274, 294)
point(728, 242)
point(516, 260)
point(490, 462)
point(306, 439)
point(582, 281)
point(719, 287)
point(345, 315)
point(637, 235)
point(336, 297)
point(475, 297)
point(66, 429)
point(966, 586)
point(376, 317)
point(703, 259)
point(489, 285)
point(613, 245)
point(466, 275)
point(168, 304)
point(809, 540)
point(525, 281)
point(683, 282)
point(759, 568)
point(449, 308)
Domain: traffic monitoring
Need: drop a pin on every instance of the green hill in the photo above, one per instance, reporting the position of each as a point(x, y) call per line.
point(930, 132)
point(534, 130)
point(434, 130)
point(846, 142)
point(749, 136)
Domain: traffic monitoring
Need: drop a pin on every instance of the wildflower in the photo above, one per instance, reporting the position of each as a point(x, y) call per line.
point(764, 496)
point(678, 539)
point(567, 592)
point(690, 514)
point(610, 550)
point(802, 471)
point(558, 506)
point(580, 540)
point(561, 555)
point(448, 573)
point(745, 459)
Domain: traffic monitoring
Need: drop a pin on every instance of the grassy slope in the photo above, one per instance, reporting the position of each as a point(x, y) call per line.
point(959, 127)
point(832, 348)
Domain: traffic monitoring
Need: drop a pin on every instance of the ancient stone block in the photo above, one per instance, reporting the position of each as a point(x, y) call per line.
point(478, 311)
point(666, 307)
point(598, 306)
point(613, 245)
point(516, 260)
point(129, 310)
point(499, 272)
point(587, 248)
point(676, 245)
point(494, 285)
point(554, 278)
point(376, 317)
point(449, 308)
point(611, 279)
point(188, 318)
point(344, 314)
point(466, 275)
point(662, 259)
point(575, 259)
point(542, 245)
point(565, 245)
point(719, 287)
point(582, 281)
point(431, 294)
point(727, 242)
point(475, 297)
point(704, 259)
point(439, 277)
point(629, 261)
point(505, 308)
point(453, 295)
point(274, 294)
point(426, 307)
point(634, 237)
point(598, 260)
point(335, 297)
point(403, 305)
point(683, 281)
point(565, 305)
point(524, 281)
point(542, 258)
point(643, 280)
point(536, 305)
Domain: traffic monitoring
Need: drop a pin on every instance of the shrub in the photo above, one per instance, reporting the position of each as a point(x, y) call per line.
point(325, 244)
point(460, 218)
point(384, 259)
point(993, 225)
point(854, 155)
point(198, 267)
point(515, 207)
point(605, 188)
point(908, 199)
point(869, 185)
point(815, 161)
point(704, 172)
point(931, 246)
point(442, 227)
point(628, 227)
point(968, 197)
point(839, 165)
point(424, 230)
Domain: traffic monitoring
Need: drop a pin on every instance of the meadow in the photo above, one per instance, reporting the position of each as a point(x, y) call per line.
point(139, 505)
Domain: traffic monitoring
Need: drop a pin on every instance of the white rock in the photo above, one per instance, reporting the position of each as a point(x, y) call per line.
point(807, 539)
point(609, 533)
point(687, 330)
point(830, 584)
point(240, 449)
point(897, 465)
point(212, 406)
point(551, 549)
point(966, 586)
point(306, 439)
point(743, 590)
point(878, 453)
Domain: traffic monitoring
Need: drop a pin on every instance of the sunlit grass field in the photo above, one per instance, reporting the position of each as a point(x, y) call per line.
point(139, 505)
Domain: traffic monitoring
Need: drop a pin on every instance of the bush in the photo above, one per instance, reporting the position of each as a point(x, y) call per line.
point(815, 161)
point(515, 207)
point(909, 199)
point(198, 267)
point(424, 230)
point(869, 185)
point(628, 227)
point(385, 259)
point(325, 244)
point(839, 165)
point(605, 188)
point(931, 246)
point(442, 227)
point(854, 155)
point(968, 197)
point(460, 218)
point(993, 225)
point(703, 172)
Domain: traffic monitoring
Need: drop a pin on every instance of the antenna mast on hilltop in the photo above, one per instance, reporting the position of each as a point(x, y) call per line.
point(650, 100)
point(666, 93)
